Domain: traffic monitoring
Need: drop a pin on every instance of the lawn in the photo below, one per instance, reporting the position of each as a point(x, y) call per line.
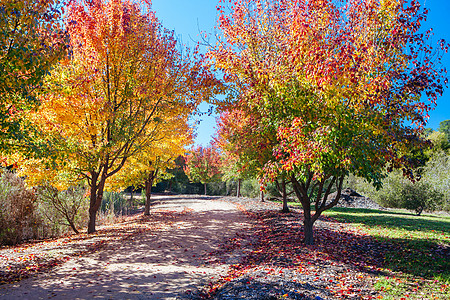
point(418, 249)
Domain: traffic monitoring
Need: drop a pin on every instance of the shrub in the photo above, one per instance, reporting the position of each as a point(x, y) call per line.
point(399, 192)
point(436, 172)
point(419, 197)
point(19, 219)
point(216, 188)
point(114, 203)
point(66, 208)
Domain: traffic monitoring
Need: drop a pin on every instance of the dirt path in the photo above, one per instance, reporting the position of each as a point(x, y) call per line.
point(161, 264)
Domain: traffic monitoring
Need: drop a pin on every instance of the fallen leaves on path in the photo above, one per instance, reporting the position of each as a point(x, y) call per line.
point(344, 263)
point(25, 260)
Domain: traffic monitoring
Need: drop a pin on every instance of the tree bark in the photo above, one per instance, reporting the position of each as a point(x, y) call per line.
point(308, 231)
point(238, 192)
point(72, 225)
point(148, 192)
point(205, 187)
point(284, 195)
point(261, 196)
point(95, 198)
point(302, 195)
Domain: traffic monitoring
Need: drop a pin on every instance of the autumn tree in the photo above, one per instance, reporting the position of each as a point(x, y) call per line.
point(107, 101)
point(203, 165)
point(31, 41)
point(340, 81)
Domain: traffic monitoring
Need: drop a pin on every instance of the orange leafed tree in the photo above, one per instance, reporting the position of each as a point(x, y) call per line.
point(108, 100)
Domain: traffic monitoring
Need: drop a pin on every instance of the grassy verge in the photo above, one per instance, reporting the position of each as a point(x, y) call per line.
point(418, 250)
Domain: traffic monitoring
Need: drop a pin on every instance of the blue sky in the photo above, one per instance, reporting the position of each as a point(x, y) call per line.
point(189, 17)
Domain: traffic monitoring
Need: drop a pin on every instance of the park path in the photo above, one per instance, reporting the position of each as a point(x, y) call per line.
point(155, 264)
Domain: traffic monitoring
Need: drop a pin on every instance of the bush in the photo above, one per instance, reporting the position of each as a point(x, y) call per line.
point(420, 196)
point(114, 203)
point(19, 219)
point(399, 192)
point(436, 172)
point(66, 208)
point(216, 188)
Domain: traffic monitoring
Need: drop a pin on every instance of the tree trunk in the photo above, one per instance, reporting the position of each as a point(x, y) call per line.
point(302, 194)
point(95, 198)
point(261, 196)
point(148, 192)
point(238, 192)
point(205, 187)
point(284, 195)
point(308, 231)
point(130, 203)
point(72, 225)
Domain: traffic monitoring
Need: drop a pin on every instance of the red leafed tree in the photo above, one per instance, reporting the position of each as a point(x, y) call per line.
point(203, 165)
point(346, 85)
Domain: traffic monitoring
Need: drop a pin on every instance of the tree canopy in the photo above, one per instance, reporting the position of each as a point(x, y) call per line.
point(31, 41)
point(109, 99)
point(341, 83)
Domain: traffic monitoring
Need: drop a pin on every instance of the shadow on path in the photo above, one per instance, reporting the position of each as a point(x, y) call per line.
point(160, 264)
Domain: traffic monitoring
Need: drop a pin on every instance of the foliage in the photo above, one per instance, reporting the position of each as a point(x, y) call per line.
point(203, 165)
point(66, 207)
point(31, 41)
point(439, 140)
point(398, 192)
point(108, 100)
point(114, 203)
point(340, 98)
point(178, 182)
point(431, 192)
point(217, 188)
point(151, 164)
point(250, 188)
point(245, 145)
point(435, 173)
point(19, 219)
point(444, 127)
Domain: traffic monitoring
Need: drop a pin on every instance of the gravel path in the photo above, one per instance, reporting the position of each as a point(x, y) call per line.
point(161, 262)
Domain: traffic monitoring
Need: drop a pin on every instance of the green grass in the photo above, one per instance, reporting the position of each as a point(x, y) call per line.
point(397, 224)
point(420, 250)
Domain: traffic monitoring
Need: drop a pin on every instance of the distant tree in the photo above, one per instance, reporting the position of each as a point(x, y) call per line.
point(444, 127)
point(203, 165)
